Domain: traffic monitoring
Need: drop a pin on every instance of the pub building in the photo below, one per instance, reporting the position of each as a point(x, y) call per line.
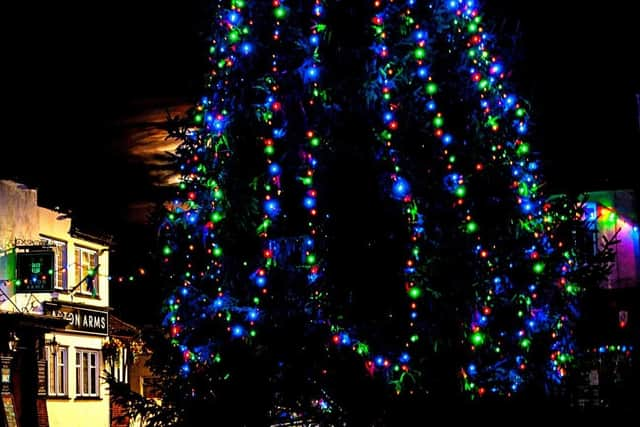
point(54, 316)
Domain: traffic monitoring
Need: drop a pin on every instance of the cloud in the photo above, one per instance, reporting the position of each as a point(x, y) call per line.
point(147, 142)
point(144, 139)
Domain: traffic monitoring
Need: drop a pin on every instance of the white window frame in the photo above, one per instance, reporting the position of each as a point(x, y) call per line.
point(82, 269)
point(85, 369)
point(60, 251)
point(58, 372)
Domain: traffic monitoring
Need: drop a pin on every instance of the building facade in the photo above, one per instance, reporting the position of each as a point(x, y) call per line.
point(54, 316)
point(611, 316)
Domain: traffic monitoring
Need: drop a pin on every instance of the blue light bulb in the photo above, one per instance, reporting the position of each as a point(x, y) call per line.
point(246, 48)
point(309, 202)
point(401, 188)
point(233, 17)
point(274, 169)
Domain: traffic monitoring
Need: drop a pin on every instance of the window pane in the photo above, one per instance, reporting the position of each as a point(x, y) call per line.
point(77, 267)
point(52, 372)
point(60, 377)
point(78, 373)
point(93, 381)
point(63, 371)
point(85, 365)
point(61, 266)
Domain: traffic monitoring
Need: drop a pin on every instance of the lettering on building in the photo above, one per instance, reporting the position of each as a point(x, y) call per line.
point(80, 319)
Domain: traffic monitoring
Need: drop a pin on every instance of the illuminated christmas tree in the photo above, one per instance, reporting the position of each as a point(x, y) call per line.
point(358, 189)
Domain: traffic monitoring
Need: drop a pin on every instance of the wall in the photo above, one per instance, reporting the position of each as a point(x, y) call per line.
point(74, 412)
point(616, 211)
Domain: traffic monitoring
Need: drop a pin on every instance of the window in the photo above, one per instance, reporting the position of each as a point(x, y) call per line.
point(87, 365)
point(86, 261)
point(57, 371)
point(60, 270)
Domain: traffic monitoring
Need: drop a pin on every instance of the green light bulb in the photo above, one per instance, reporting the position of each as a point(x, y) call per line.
point(522, 149)
point(572, 289)
point(477, 338)
point(431, 88)
point(280, 12)
point(538, 267)
point(472, 227)
point(216, 217)
point(415, 292)
point(234, 36)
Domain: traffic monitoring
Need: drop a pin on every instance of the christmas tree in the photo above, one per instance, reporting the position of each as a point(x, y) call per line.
point(360, 220)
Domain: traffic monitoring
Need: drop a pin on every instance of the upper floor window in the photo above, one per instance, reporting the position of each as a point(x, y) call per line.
point(86, 263)
point(60, 255)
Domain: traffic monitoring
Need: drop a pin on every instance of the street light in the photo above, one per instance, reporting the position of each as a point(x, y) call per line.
point(54, 346)
point(12, 342)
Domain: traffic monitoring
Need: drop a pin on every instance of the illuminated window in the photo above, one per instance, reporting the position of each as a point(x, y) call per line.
point(87, 368)
point(86, 262)
point(57, 372)
point(60, 255)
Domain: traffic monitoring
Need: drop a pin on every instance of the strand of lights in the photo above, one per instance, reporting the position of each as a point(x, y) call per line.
point(417, 62)
point(395, 366)
point(524, 300)
point(272, 115)
point(311, 73)
point(455, 183)
point(624, 349)
point(199, 209)
point(501, 108)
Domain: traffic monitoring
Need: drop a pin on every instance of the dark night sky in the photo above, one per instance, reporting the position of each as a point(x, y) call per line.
point(75, 72)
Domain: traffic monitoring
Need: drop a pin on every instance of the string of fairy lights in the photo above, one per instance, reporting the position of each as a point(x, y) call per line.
point(505, 115)
point(316, 97)
point(393, 364)
point(272, 113)
point(481, 323)
point(201, 210)
point(397, 49)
